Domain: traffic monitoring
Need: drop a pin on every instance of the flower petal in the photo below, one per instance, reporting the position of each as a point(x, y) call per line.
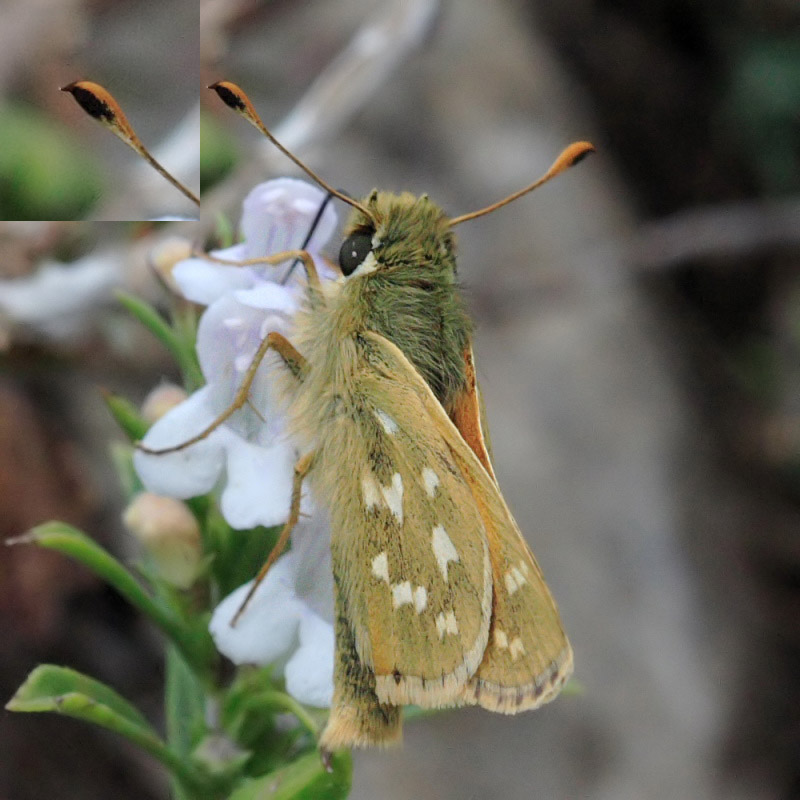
point(193, 470)
point(309, 672)
point(228, 337)
point(267, 630)
point(203, 281)
point(269, 297)
point(259, 486)
point(311, 543)
point(277, 216)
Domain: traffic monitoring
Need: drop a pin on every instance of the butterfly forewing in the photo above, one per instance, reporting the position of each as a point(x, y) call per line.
point(527, 657)
point(420, 605)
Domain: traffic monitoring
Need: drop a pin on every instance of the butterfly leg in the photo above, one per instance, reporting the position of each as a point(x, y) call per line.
point(294, 361)
point(357, 718)
point(277, 258)
point(301, 469)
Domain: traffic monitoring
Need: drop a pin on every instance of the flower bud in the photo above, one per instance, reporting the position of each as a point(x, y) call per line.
point(160, 400)
point(170, 534)
point(166, 254)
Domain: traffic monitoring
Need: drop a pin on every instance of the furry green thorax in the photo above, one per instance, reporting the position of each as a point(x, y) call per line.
point(412, 297)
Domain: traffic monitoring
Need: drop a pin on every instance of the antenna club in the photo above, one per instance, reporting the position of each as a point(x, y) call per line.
point(229, 93)
point(568, 157)
point(235, 97)
point(573, 154)
point(96, 101)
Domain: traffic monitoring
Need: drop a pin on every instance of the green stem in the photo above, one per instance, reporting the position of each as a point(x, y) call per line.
point(196, 648)
point(167, 335)
point(285, 702)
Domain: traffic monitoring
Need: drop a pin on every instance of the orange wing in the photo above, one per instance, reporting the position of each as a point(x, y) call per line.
point(467, 415)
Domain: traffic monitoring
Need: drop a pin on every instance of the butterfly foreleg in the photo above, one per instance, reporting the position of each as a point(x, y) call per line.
point(301, 469)
point(302, 255)
point(292, 358)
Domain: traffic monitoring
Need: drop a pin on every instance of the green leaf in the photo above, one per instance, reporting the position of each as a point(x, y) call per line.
point(194, 642)
point(238, 554)
point(127, 416)
point(184, 704)
point(181, 348)
point(121, 455)
point(184, 711)
point(305, 779)
point(65, 691)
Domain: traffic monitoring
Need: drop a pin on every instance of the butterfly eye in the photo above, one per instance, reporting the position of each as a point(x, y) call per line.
point(354, 250)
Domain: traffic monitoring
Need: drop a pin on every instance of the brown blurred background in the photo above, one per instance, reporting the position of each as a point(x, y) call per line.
point(638, 343)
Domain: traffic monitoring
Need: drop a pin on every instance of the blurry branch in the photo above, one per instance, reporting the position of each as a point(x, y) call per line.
point(345, 86)
point(59, 300)
point(355, 75)
point(719, 231)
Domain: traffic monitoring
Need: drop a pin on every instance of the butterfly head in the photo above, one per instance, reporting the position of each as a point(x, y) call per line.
point(400, 231)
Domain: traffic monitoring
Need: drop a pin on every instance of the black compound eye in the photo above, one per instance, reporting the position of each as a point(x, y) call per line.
point(354, 250)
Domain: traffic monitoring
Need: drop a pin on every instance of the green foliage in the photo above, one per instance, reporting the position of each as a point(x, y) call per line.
point(760, 106)
point(222, 739)
point(305, 779)
point(171, 336)
point(44, 175)
point(218, 154)
point(65, 691)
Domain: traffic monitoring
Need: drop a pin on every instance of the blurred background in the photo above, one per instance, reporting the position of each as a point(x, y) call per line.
point(638, 343)
point(58, 164)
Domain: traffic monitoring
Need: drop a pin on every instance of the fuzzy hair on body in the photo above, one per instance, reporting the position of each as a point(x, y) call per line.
point(438, 599)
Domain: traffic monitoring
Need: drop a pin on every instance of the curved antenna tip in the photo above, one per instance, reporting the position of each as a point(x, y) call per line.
point(569, 157)
point(235, 97)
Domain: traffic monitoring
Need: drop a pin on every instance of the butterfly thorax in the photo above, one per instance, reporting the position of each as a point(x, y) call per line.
point(406, 288)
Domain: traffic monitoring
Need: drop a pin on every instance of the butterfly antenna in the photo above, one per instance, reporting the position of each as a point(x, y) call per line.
point(569, 157)
point(98, 103)
point(234, 97)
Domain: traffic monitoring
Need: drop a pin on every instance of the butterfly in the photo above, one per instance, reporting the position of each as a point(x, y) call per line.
point(439, 601)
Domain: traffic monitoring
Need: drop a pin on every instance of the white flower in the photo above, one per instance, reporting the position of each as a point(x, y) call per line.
point(245, 304)
point(276, 216)
point(289, 621)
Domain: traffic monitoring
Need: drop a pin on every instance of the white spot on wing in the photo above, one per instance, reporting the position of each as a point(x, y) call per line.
point(514, 580)
point(393, 495)
point(380, 567)
point(446, 623)
point(370, 491)
point(516, 648)
point(431, 481)
point(500, 639)
point(518, 576)
point(420, 598)
point(451, 626)
point(387, 423)
point(401, 593)
point(443, 549)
